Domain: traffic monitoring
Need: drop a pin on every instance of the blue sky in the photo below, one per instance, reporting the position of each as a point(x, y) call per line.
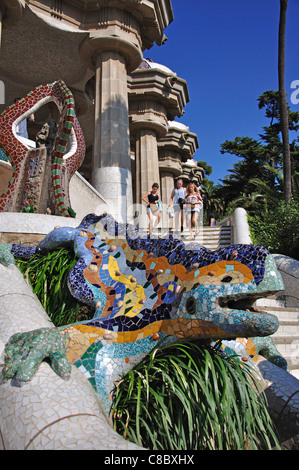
point(227, 51)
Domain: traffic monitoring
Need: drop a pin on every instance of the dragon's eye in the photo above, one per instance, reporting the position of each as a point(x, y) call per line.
point(227, 279)
point(191, 305)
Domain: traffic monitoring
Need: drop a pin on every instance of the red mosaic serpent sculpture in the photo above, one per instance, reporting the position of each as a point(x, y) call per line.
point(19, 154)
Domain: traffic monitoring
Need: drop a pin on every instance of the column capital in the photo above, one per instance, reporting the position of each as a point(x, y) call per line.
point(152, 16)
point(156, 81)
point(96, 43)
point(117, 31)
point(179, 138)
point(170, 166)
point(148, 117)
point(192, 172)
point(158, 128)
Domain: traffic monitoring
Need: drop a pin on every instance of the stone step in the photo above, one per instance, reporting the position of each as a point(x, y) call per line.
point(210, 232)
point(215, 231)
point(284, 314)
point(286, 338)
point(212, 238)
point(288, 327)
point(269, 303)
point(288, 347)
point(283, 338)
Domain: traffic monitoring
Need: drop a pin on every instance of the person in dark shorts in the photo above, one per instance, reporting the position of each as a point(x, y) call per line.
point(152, 199)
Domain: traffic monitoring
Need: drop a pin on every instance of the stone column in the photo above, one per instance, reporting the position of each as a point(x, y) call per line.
point(178, 145)
point(111, 163)
point(170, 169)
point(112, 52)
point(166, 185)
point(146, 170)
point(176, 148)
point(168, 178)
point(156, 94)
point(148, 123)
point(147, 158)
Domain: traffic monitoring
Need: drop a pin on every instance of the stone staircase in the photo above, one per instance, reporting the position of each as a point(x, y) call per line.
point(286, 338)
point(212, 238)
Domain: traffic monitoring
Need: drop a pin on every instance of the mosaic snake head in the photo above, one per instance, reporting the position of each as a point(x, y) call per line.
point(219, 301)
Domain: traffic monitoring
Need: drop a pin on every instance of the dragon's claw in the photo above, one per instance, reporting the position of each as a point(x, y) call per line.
point(25, 351)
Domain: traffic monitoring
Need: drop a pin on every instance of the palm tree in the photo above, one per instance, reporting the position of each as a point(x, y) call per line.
point(283, 107)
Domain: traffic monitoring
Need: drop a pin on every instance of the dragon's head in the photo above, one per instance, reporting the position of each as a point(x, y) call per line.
point(186, 291)
point(221, 302)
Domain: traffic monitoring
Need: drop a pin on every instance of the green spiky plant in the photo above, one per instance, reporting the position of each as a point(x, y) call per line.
point(47, 274)
point(192, 397)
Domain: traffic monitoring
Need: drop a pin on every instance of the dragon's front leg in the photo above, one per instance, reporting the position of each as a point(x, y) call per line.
point(24, 353)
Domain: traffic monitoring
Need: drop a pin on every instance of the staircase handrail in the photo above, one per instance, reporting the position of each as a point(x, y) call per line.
point(240, 228)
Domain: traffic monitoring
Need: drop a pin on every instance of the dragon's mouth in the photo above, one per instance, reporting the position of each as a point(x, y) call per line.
point(246, 303)
point(256, 321)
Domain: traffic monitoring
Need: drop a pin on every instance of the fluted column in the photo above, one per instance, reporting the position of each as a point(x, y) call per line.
point(111, 164)
point(167, 185)
point(156, 94)
point(112, 53)
point(148, 123)
point(170, 169)
point(178, 146)
point(147, 163)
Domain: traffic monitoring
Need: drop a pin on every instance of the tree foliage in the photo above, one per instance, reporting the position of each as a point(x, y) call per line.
point(260, 160)
point(278, 229)
point(256, 181)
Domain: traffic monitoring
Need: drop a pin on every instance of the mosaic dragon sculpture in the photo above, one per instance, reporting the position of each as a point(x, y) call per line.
point(40, 179)
point(144, 289)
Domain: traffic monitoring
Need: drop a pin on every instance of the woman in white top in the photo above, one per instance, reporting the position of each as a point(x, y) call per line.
point(176, 198)
point(193, 205)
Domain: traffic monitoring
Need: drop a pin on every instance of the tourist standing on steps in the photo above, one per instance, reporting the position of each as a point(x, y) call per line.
point(177, 198)
point(152, 199)
point(193, 205)
point(212, 220)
